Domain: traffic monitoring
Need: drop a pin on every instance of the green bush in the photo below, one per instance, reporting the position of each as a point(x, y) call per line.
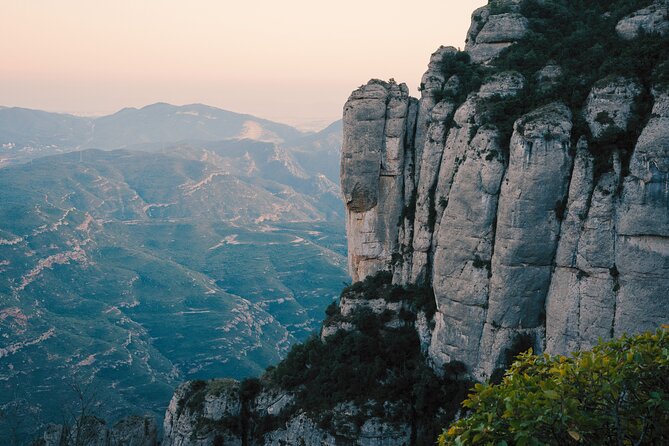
point(373, 365)
point(616, 394)
point(469, 75)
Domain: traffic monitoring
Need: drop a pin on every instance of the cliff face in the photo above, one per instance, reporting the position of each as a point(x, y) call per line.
point(526, 241)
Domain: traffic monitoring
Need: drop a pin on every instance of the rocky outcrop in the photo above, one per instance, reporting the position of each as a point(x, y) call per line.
point(134, 431)
point(650, 20)
point(375, 330)
point(215, 412)
point(372, 172)
point(204, 413)
point(493, 215)
point(494, 29)
point(610, 106)
point(551, 239)
point(642, 229)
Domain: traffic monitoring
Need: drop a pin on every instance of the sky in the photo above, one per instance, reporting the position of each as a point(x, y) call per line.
point(293, 61)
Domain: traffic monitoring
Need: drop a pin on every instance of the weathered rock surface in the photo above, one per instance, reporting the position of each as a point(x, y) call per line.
point(134, 431)
point(204, 413)
point(491, 33)
point(212, 414)
point(372, 173)
point(548, 77)
point(650, 20)
point(299, 430)
point(610, 106)
point(552, 246)
point(642, 239)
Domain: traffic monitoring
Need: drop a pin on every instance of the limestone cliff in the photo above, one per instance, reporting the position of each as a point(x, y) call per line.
point(551, 237)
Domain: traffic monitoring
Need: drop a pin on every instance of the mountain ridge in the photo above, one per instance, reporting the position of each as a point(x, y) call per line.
point(27, 134)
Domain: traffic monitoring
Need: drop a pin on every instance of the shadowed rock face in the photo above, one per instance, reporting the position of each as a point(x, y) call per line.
point(538, 248)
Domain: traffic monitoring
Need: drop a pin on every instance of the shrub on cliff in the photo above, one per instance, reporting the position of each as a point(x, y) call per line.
point(616, 394)
point(379, 368)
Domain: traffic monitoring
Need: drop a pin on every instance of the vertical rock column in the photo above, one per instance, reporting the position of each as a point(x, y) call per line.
point(426, 138)
point(464, 214)
point(424, 216)
point(581, 302)
point(527, 233)
point(642, 243)
point(463, 250)
point(372, 174)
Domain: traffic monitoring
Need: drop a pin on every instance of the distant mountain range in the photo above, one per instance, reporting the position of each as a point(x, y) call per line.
point(199, 243)
point(27, 134)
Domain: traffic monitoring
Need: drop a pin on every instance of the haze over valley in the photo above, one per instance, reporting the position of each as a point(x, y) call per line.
point(198, 243)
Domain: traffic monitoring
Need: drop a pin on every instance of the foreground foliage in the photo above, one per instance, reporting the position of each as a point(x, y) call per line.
point(616, 394)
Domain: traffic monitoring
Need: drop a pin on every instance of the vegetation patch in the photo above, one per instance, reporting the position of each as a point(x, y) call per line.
point(616, 394)
point(379, 286)
point(372, 366)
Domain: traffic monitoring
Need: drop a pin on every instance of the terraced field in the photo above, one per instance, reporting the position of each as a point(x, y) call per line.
point(130, 272)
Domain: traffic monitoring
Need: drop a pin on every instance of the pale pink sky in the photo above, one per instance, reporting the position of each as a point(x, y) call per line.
point(294, 61)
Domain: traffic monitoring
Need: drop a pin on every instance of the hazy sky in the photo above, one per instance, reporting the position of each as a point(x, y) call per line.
point(290, 60)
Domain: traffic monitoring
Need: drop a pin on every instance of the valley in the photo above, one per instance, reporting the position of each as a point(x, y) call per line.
point(130, 271)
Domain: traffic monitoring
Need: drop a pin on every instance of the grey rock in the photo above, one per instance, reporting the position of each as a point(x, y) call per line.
point(642, 244)
point(433, 83)
point(610, 105)
point(431, 201)
point(527, 231)
point(550, 249)
point(490, 34)
point(53, 434)
point(581, 301)
point(195, 410)
point(134, 431)
point(504, 84)
point(372, 174)
point(549, 76)
point(430, 162)
point(464, 249)
point(650, 20)
point(300, 430)
point(379, 432)
point(502, 28)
